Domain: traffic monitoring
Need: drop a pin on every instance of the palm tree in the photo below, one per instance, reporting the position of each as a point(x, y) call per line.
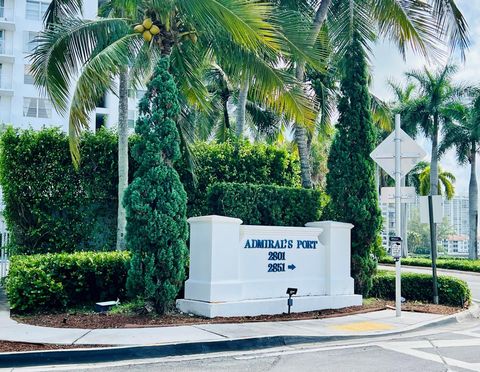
point(463, 134)
point(420, 177)
point(190, 32)
point(407, 23)
point(431, 109)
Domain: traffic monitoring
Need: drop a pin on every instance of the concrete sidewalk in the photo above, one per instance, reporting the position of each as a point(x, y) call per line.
point(367, 324)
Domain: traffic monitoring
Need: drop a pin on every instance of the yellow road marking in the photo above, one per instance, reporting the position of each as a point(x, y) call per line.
point(363, 326)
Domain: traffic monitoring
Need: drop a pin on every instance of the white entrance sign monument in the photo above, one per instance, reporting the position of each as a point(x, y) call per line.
point(397, 155)
point(240, 270)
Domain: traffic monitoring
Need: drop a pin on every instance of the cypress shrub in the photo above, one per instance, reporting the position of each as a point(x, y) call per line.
point(156, 201)
point(265, 204)
point(350, 181)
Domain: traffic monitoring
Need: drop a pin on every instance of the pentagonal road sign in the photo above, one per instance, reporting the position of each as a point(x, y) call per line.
point(411, 154)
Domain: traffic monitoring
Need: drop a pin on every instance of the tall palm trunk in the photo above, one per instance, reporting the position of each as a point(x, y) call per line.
point(241, 108)
point(301, 137)
point(434, 176)
point(122, 157)
point(473, 207)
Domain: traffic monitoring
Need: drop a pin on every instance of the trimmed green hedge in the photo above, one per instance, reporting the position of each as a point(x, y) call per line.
point(53, 281)
point(265, 205)
point(442, 263)
point(51, 208)
point(240, 162)
point(418, 287)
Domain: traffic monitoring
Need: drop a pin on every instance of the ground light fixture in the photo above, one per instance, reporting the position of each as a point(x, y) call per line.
point(291, 292)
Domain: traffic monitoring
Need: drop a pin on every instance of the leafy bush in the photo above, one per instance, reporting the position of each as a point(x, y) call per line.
point(50, 207)
point(442, 263)
point(240, 162)
point(419, 287)
point(53, 281)
point(265, 205)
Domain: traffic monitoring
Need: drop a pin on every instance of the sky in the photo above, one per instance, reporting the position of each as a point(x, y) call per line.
point(389, 64)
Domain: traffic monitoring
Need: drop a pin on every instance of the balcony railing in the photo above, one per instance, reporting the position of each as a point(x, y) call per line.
point(6, 14)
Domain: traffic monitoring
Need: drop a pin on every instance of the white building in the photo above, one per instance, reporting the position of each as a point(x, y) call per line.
point(456, 245)
point(456, 212)
point(21, 104)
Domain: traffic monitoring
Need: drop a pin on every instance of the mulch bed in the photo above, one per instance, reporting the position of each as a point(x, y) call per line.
point(106, 320)
point(8, 347)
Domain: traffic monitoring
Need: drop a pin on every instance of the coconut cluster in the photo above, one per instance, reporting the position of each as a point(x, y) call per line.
point(147, 29)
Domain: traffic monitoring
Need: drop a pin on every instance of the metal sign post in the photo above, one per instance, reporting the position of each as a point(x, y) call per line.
point(398, 201)
point(397, 155)
point(434, 249)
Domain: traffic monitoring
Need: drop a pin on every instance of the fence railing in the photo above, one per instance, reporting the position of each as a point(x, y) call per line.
point(3, 263)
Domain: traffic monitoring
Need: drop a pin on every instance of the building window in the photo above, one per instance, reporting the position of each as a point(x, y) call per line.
point(36, 9)
point(29, 42)
point(2, 42)
point(37, 108)
point(131, 118)
point(27, 75)
point(100, 121)
point(2, 8)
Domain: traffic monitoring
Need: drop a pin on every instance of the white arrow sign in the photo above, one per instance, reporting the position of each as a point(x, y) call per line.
point(411, 154)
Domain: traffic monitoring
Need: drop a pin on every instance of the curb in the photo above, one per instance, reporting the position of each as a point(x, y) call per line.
point(118, 354)
point(439, 269)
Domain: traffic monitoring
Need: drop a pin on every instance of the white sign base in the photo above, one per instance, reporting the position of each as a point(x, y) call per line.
point(238, 270)
point(269, 306)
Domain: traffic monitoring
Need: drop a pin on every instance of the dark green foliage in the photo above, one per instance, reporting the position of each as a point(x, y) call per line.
point(156, 201)
point(419, 287)
point(442, 263)
point(240, 162)
point(350, 181)
point(264, 204)
point(49, 207)
point(53, 281)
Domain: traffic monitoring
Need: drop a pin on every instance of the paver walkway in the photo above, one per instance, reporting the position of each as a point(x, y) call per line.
point(379, 322)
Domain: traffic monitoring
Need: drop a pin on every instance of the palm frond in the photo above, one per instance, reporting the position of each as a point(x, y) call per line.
point(59, 10)
point(246, 21)
point(97, 77)
point(63, 50)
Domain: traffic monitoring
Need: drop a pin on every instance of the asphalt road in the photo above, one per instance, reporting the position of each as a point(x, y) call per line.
point(473, 279)
point(453, 347)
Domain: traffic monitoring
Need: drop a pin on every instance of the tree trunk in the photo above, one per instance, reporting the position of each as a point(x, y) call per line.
point(473, 208)
point(301, 137)
point(304, 154)
point(122, 157)
point(241, 108)
point(434, 182)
